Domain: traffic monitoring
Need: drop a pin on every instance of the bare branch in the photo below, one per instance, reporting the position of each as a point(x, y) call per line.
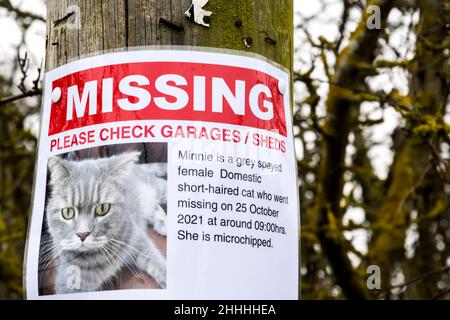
point(341, 113)
point(28, 94)
point(19, 13)
point(24, 64)
point(441, 294)
point(416, 280)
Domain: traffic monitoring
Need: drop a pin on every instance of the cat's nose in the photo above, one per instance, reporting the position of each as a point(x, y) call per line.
point(83, 235)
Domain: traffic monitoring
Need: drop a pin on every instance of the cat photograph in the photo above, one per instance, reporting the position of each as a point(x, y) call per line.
point(105, 223)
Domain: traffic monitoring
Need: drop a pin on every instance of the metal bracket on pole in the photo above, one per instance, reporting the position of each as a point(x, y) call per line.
point(197, 14)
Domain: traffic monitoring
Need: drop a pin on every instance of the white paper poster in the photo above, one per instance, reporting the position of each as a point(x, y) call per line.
point(165, 174)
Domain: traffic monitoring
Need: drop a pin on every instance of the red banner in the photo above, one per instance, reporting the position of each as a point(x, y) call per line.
point(168, 91)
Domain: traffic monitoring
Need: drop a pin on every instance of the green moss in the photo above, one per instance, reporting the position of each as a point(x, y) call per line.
point(269, 25)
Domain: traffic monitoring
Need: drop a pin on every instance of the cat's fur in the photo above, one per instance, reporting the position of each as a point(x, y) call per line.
point(119, 239)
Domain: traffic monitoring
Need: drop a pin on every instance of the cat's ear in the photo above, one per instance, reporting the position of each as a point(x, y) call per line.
point(58, 169)
point(125, 161)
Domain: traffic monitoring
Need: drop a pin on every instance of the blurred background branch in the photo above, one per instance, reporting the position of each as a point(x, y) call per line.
point(24, 64)
point(372, 115)
point(20, 14)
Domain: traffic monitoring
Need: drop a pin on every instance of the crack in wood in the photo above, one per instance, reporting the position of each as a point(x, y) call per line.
point(171, 25)
point(63, 19)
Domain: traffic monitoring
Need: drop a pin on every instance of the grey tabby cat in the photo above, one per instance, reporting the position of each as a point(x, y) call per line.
point(97, 217)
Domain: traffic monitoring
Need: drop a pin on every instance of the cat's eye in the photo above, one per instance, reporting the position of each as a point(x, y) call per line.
point(102, 209)
point(68, 213)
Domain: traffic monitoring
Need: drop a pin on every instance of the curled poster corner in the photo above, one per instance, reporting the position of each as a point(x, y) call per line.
point(197, 14)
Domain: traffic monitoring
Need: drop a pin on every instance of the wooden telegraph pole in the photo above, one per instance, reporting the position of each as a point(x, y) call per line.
point(79, 28)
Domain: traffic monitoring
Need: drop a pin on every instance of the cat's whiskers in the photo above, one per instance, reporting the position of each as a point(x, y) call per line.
point(49, 251)
point(134, 266)
point(49, 248)
point(47, 255)
point(124, 257)
point(111, 260)
point(129, 246)
point(118, 243)
point(46, 242)
point(103, 286)
point(134, 271)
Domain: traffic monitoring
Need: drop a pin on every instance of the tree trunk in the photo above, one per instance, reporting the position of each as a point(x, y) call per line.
point(264, 27)
point(342, 112)
point(429, 94)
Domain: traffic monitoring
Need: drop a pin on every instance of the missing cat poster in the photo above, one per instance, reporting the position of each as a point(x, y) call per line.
point(165, 174)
